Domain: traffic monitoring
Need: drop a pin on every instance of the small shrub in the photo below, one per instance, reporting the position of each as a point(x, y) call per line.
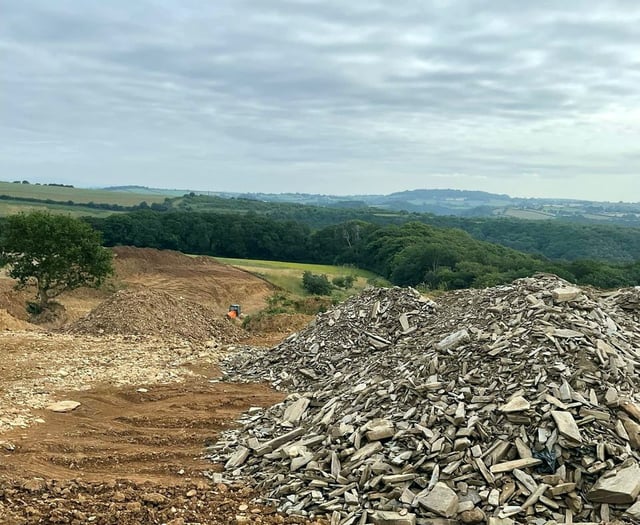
point(316, 284)
point(376, 282)
point(343, 281)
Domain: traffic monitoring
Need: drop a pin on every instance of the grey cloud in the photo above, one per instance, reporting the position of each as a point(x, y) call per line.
point(286, 90)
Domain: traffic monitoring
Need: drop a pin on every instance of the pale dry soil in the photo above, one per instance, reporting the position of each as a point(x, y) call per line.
point(131, 453)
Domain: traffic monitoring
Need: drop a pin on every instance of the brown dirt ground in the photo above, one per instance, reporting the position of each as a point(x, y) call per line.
point(199, 279)
point(131, 452)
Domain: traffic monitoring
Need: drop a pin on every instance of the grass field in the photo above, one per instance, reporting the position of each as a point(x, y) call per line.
point(288, 275)
point(9, 207)
point(77, 195)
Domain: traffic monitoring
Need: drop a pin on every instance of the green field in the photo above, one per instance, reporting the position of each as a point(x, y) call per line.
point(527, 214)
point(77, 195)
point(288, 275)
point(10, 207)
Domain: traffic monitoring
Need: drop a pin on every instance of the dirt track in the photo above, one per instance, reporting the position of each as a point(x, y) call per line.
point(131, 452)
point(155, 436)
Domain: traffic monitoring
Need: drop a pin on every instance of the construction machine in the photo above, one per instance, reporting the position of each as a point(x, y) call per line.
point(234, 311)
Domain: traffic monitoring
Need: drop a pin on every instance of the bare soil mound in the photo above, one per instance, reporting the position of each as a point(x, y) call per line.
point(159, 314)
point(12, 300)
point(9, 322)
point(131, 261)
point(200, 279)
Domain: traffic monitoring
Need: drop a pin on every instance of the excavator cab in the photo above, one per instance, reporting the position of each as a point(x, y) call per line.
point(234, 311)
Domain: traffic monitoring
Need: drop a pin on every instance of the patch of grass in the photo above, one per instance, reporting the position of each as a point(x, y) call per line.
point(527, 214)
point(288, 275)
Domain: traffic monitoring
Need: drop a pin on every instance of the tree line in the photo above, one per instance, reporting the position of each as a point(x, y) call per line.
point(412, 253)
point(553, 239)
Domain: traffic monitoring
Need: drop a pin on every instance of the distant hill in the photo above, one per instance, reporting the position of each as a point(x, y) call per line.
point(464, 203)
point(459, 203)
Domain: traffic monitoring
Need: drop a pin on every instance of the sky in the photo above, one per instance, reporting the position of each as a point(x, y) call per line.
point(532, 99)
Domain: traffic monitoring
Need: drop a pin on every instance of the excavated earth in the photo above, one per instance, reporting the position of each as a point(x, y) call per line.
point(139, 361)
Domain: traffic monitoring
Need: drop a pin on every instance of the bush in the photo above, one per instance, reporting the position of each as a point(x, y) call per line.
point(343, 281)
point(316, 284)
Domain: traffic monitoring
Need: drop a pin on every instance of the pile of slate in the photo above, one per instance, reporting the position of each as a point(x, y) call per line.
point(515, 404)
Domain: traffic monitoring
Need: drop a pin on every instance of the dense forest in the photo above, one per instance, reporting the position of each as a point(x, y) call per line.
point(553, 239)
point(410, 253)
point(557, 240)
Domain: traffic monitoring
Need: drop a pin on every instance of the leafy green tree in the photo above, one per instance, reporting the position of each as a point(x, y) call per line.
point(316, 284)
point(54, 252)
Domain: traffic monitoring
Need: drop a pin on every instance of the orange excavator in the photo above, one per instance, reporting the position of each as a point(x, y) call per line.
point(234, 311)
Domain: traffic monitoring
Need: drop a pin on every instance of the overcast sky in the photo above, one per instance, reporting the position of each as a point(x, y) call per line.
point(536, 98)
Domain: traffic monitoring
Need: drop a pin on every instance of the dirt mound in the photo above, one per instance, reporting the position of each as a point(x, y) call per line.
point(200, 279)
point(513, 402)
point(158, 314)
point(9, 322)
point(130, 261)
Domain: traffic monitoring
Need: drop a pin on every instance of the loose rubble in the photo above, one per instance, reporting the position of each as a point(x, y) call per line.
point(156, 313)
point(125, 502)
point(515, 404)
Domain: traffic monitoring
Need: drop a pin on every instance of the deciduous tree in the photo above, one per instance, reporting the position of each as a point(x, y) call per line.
point(53, 252)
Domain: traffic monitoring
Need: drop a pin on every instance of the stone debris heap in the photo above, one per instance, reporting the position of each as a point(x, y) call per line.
point(156, 313)
point(515, 404)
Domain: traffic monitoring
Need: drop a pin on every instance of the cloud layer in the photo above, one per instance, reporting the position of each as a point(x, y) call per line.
point(531, 99)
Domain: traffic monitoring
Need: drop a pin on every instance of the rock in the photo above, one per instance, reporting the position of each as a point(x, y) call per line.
point(238, 458)
point(500, 521)
point(473, 516)
point(154, 498)
point(35, 485)
point(567, 425)
point(379, 429)
point(441, 500)
point(7, 445)
point(453, 340)
point(633, 431)
point(568, 293)
point(63, 406)
point(617, 488)
point(295, 410)
point(517, 404)
point(384, 517)
point(634, 511)
point(508, 466)
point(512, 401)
